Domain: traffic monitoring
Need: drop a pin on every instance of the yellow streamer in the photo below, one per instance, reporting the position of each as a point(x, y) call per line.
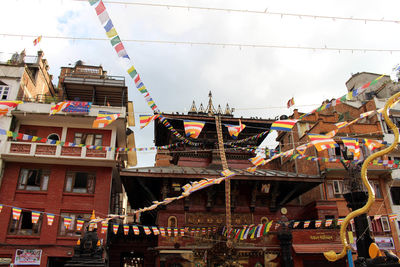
point(331, 255)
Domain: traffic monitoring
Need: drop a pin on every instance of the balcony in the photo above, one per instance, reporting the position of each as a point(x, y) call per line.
point(53, 154)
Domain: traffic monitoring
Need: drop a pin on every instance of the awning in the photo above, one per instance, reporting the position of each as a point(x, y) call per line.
point(317, 248)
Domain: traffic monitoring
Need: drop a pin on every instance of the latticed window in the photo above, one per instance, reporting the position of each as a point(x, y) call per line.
point(33, 179)
point(4, 92)
point(24, 225)
point(80, 182)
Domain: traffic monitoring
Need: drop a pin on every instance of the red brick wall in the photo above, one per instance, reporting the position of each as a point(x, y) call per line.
point(55, 201)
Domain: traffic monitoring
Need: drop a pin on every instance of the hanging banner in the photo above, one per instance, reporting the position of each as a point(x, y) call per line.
point(105, 118)
point(193, 128)
point(126, 229)
point(16, 213)
point(115, 228)
point(104, 227)
point(6, 106)
point(28, 257)
point(234, 130)
point(283, 125)
point(35, 216)
point(79, 224)
point(67, 222)
point(50, 219)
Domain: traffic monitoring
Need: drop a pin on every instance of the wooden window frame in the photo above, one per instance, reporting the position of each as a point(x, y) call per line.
point(41, 174)
point(94, 139)
point(71, 231)
point(4, 88)
point(15, 226)
point(72, 175)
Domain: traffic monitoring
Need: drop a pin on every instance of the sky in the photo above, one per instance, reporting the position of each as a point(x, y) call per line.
point(256, 81)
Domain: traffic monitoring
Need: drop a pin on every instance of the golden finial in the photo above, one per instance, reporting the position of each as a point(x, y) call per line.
point(98, 243)
point(78, 242)
point(93, 216)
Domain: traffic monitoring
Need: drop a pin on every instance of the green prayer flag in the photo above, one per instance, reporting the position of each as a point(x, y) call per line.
point(115, 40)
point(92, 2)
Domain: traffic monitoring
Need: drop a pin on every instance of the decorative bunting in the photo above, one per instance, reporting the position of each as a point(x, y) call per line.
point(35, 216)
point(234, 130)
point(340, 221)
point(146, 119)
point(328, 222)
point(318, 223)
point(193, 128)
point(353, 146)
point(295, 224)
point(126, 229)
point(79, 224)
point(372, 144)
point(105, 118)
point(283, 125)
point(155, 230)
point(16, 213)
point(393, 217)
point(175, 231)
point(322, 142)
point(67, 222)
point(162, 231)
point(37, 40)
point(135, 229)
point(182, 230)
point(290, 103)
point(104, 227)
point(306, 224)
point(50, 219)
point(146, 229)
point(169, 231)
point(115, 228)
point(257, 160)
point(6, 106)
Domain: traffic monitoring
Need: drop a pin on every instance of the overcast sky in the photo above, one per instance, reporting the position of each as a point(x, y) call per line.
point(254, 81)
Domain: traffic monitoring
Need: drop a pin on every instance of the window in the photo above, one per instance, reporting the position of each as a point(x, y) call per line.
point(88, 139)
point(395, 193)
point(24, 225)
point(33, 179)
point(377, 189)
point(385, 224)
point(53, 136)
point(80, 182)
point(72, 231)
point(334, 189)
point(172, 222)
point(4, 92)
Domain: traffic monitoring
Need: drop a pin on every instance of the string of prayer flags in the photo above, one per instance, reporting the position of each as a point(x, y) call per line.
point(290, 103)
point(182, 230)
point(352, 146)
point(115, 228)
point(328, 222)
point(193, 128)
point(104, 227)
point(306, 224)
point(126, 229)
point(175, 231)
point(105, 118)
point(340, 221)
point(234, 130)
point(50, 219)
point(322, 142)
point(372, 144)
point(342, 124)
point(169, 231)
point(302, 149)
point(16, 213)
point(146, 119)
point(318, 223)
point(37, 40)
point(6, 106)
point(227, 173)
point(35, 216)
point(58, 107)
point(283, 125)
point(295, 224)
point(67, 222)
point(257, 160)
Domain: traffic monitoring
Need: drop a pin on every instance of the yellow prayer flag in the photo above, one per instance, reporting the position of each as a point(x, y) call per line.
point(111, 33)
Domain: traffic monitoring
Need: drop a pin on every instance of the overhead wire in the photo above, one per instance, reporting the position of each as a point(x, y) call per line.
point(215, 44)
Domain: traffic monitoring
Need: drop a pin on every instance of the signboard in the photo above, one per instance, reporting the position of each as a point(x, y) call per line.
point(384, 242)
point(28, 256)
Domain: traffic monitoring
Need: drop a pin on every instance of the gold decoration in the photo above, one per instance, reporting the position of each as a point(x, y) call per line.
point(331, 255)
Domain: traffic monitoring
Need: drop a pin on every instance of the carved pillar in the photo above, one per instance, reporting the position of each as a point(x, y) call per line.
point(285, 240)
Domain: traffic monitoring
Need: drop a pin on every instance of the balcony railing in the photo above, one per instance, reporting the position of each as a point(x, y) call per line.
point(47, 150)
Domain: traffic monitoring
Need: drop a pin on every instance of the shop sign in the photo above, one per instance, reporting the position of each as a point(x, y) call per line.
point(384, 242)
point(28, 256)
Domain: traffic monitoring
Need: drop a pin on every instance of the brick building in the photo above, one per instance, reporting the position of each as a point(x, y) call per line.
point(69, 180)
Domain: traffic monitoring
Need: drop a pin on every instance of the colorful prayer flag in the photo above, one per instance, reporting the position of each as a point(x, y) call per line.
point(67, 222)
point(155, 230)
point(77, 107)
point(234, 130)
point(35, 216)
point(322, 142)
point(1, 207)
point(227, 173)
point(193, 128)
point(393, 217)
point(16, 213)
point(115, 228)
point(175, 231)
point(6, 106)
point(135, 229)
point(147, 230)
point(283, 125)
point(126, 229)
point(318, 223)
point(162, 231)
point(290, 102)
point(50, 219)
point(105, 118)
point(373, 144)
point(182, 230)
point(328, 222)
point(146, 119)
point(58, 107)
point(295, 224)
point(340, 221)
point(340, 125)
point(104, 227)
point(79, 224)
point(306, 224)
point(353, 146)
point(257, 160)
point(37, 40)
